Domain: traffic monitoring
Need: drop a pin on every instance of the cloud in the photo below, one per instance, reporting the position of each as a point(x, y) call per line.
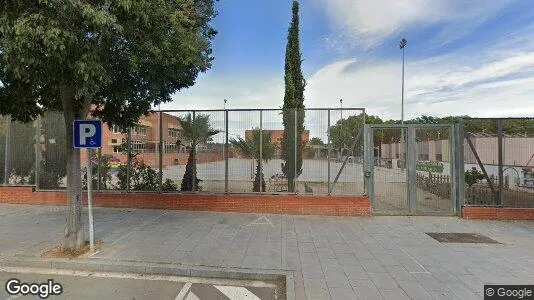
point(241, 91)
point(366, 23)
point(489, 84)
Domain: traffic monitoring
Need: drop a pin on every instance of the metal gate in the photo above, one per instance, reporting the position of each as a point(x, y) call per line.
point(411, 169)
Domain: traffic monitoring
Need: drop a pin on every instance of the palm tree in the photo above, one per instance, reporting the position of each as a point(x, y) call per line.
point(194, 130)
point(250, 148)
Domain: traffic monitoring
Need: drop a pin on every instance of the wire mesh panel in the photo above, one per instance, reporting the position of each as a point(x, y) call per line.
point(53, 152)
point(3, 134)
point(314, 176)
point(244, 138)
point(175, 148)
point(272, 139)
point(433, 169)
point(209, 139)
point(346, 161)
point(111, 160)
point(480, 158)
point(390, 176)
point(20, 153)
point(269, 151)
point(518, 162)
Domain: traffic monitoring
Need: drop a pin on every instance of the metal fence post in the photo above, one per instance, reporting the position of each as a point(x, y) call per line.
point(329, 150)
point(460, 158)
point(363, 151)
point(369, 164)
point(226, 151)
point(128, 158)
point(295, 161)
point(453, 165)
point(37, 151)
point(160, 183)
point(500, 159)
point(410, 167)
point(261, 151)
point(194, 145)
point(7, 151)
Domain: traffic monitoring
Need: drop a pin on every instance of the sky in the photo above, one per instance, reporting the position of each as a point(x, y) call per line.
point(464, 57)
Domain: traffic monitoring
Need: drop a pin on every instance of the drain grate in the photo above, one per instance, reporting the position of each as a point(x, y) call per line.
point(452, 237)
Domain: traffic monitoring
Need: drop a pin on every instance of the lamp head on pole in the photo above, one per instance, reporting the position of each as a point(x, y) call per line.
point(403, 43)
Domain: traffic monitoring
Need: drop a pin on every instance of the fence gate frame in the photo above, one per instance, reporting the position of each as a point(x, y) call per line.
point(456, 149)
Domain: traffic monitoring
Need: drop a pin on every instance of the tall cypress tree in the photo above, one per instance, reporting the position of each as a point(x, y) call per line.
point(293, 104)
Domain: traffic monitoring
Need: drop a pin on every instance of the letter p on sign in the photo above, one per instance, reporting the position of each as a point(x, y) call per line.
point(87, 134)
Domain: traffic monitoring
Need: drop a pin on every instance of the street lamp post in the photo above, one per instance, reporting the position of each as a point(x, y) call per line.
point(226, 139)
point(402, 45)
point(341, 126)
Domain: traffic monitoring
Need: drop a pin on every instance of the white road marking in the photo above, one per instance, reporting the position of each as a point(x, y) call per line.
point(425, 271)
point(184, 291)
point(192, 296)
point(264, 218)
point(43, 271)
point(236, 292)
point(13, 297)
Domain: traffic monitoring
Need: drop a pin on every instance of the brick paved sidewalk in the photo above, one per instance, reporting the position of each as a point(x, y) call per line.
point(329, 257)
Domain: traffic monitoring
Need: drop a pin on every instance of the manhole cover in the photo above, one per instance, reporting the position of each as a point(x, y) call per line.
point(451, 237)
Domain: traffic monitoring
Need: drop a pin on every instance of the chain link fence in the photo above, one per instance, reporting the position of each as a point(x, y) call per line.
point(306, 151)
point(499, 161)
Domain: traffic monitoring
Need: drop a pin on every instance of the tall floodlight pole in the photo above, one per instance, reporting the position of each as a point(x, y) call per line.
point(341, 126)
point(225, 142)
point(402, 45)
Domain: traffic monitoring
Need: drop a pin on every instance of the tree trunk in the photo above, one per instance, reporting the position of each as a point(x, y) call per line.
point(190, 174)
point(259, 174)
point(74, 229)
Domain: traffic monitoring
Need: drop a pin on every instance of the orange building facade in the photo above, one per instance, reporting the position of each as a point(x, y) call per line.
point(278, 135)
point(144, 139)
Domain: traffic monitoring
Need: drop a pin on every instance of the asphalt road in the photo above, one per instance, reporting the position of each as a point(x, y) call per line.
point(103, 286)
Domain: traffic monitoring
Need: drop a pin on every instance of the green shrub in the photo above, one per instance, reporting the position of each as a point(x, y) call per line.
point(473, 176)
point(142, 178)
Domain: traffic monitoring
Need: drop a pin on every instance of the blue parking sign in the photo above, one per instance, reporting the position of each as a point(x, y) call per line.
point(87, 134)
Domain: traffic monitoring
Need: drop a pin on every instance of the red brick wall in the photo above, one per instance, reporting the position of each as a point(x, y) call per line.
point(497, 213)
point(275, 204)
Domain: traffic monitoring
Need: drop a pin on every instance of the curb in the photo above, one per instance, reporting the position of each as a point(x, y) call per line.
point(283, 279)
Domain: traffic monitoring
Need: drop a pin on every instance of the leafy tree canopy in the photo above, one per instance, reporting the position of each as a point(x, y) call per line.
point(316, 141)
point(123, 55)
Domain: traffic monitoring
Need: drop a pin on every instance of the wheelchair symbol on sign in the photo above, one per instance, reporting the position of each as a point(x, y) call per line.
point(92, 142)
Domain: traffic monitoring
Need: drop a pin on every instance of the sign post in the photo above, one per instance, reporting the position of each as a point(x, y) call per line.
point(88, 135)
point(90, 199)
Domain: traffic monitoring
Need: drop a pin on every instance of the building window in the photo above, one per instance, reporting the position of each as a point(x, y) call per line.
point(138, 146)
point(174, 132)
point(116, 129)
point(139, 130)
point(439, 157)
point(117, 149)
point(170, 147)
point(113, 141)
